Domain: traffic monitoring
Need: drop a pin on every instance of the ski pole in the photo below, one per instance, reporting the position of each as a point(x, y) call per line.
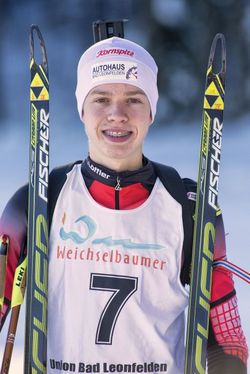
point(4, 246)
point(16, 302)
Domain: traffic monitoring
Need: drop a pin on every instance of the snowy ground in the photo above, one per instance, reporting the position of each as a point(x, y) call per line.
point(177, 146)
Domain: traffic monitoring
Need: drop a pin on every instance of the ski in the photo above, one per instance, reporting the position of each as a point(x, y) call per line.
point(37, 240)
point(205, 214)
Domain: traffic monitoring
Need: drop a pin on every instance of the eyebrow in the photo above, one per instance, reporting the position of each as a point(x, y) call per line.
point(128, 93)
point(137, 92)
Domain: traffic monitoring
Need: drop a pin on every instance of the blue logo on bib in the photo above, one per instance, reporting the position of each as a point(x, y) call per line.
point(108, 241)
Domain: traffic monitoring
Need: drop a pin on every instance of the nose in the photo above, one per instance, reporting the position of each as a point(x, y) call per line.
point(117, 113)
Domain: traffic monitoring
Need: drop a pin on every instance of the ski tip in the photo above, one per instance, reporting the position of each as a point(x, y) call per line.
point(35, 29)
point(219, 38)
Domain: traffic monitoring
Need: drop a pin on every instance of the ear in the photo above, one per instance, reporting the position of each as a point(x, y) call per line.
point(151, 119)
point(82, 115)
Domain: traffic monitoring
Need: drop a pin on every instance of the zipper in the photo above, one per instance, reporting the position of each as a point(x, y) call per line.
point(117, 192)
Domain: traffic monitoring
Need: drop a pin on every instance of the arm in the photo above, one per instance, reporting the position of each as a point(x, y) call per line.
point(227, 348)
point(14, 224)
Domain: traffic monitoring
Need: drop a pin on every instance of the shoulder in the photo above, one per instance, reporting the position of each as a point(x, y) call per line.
point(57, 179)
point(190, 184)
point(58, 175)
point(174, 183)
point(162, 170)
point(62, 170)
point(18, 203)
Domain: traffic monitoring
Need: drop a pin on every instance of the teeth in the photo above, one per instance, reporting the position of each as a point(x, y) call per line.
point(117, 133)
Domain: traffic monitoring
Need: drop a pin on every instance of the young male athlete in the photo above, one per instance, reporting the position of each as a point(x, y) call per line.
point(118, 262)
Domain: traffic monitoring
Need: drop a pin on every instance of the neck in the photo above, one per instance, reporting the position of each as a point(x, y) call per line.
point(94, 171)
point(119, 165)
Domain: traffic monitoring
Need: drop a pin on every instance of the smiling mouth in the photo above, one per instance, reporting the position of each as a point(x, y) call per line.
point(119, 135)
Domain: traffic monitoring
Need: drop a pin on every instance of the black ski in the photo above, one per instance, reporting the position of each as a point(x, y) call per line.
point(37, 266)
point(205, 214)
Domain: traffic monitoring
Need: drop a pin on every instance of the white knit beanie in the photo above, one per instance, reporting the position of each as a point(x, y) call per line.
point(117, 60)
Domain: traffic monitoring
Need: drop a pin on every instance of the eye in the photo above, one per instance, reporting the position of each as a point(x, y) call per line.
point(101, 100)
point(134, 100)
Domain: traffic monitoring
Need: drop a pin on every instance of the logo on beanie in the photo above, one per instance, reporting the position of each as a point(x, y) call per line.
point(115, 51)
point(132, 73)
point(114, 70)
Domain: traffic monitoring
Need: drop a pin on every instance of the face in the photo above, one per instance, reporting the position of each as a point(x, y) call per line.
point(117, 118)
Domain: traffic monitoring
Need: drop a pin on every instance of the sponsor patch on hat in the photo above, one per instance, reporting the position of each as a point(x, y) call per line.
point(115, 51)
point(114, 70)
